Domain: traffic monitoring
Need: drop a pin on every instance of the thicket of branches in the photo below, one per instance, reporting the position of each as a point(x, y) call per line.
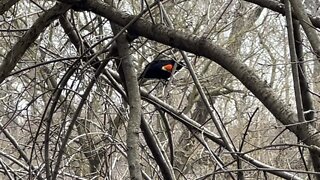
point(244, 107)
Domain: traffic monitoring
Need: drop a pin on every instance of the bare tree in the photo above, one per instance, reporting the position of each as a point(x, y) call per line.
point(71, 106)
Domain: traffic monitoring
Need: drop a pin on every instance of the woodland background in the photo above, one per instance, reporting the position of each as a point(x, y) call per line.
point(244, 107)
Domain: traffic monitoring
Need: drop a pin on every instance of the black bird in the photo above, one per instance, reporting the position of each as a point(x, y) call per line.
point(159, 69)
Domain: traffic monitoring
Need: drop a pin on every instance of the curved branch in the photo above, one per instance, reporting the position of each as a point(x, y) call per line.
point(203, 47)
point(74, 118)
point(5, 5)
point(29, 37)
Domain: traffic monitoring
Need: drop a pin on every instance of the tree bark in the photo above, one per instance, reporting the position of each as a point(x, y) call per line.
point(201, 46)
point(279, 7)
point(309, 29)
point(6, 5)
point(134, 101)
point(29, 37)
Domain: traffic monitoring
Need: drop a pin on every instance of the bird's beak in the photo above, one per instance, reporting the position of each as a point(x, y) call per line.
point(167, 67)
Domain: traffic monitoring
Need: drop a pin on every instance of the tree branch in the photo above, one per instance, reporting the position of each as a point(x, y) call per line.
point(307, 26)
point(279, 7)
point(5, 5)
point(134, 100)
point(29, 37)
point(198, 128)
point(203, 47)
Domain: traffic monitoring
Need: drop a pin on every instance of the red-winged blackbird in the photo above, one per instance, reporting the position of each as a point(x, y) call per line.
point(159, 69)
